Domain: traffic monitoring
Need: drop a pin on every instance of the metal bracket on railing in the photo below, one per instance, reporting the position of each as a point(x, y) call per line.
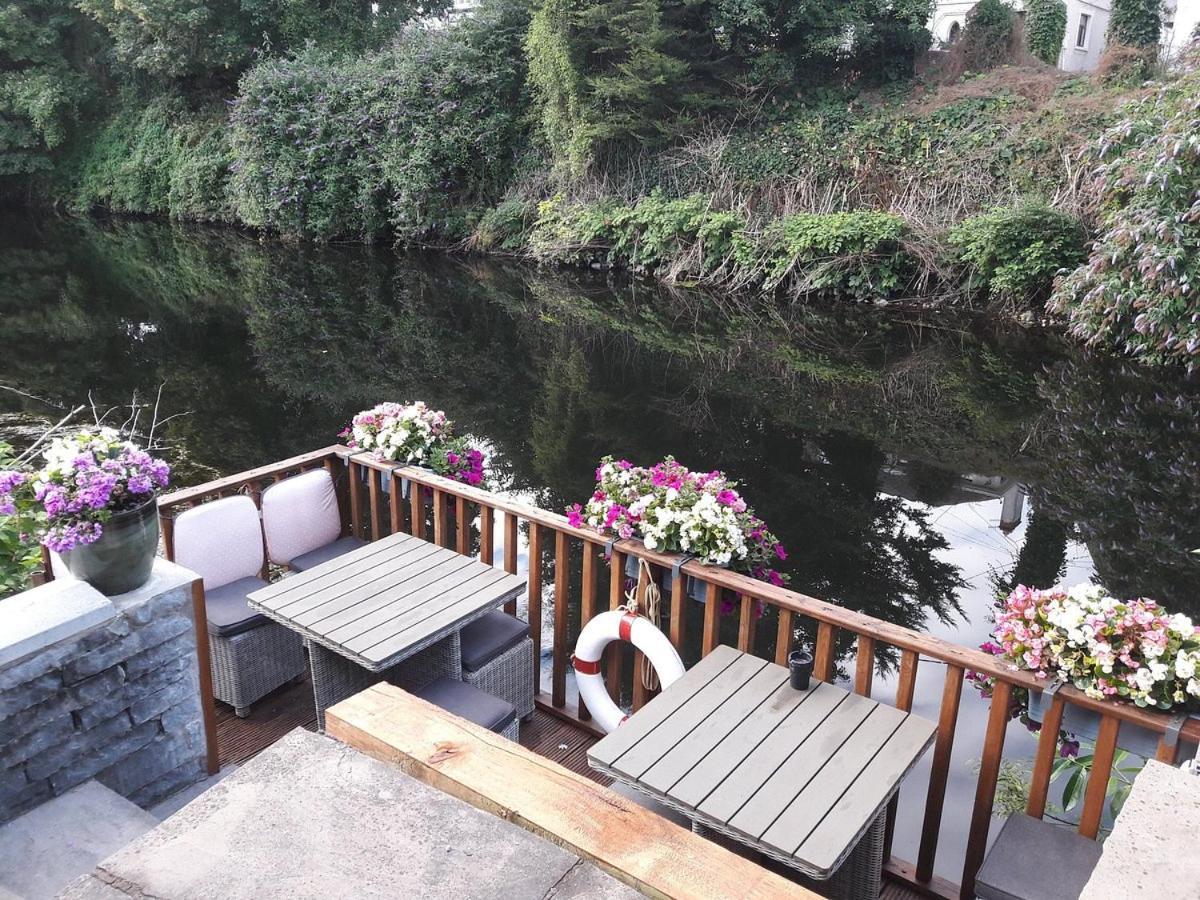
point(1174, 727)
point(1053, 688)
point(679, 564)
point(608, 548)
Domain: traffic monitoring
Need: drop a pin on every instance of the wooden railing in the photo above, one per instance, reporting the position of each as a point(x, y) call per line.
point(462, 517)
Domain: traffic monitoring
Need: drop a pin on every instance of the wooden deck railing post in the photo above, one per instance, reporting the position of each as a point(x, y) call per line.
point(906, 689)
point(462, 526)
point(373, 485)
point(999, 715)
point(825, 652)
point(587, 602)
point(1097, 783)
point(1043, 760)
point(679, 603)
point(640, 692)
point(356, 525)
point(616, 597)
point(747, 623)
point(395, 502)
point(208, 709)
point(864, 665)
point(510, 554)
point(487, 539)
point(783, 636)
point(416, 502)
point(939, 772)
point(535, 601)
point(712, 618)
point(562, 600)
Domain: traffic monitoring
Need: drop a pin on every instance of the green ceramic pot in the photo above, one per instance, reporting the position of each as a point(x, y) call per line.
point(122, 559)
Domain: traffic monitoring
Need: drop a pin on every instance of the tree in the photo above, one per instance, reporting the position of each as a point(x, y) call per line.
point(1135, 23)
point(1045, 28)
point(987, 37)
point(41, 91)
point(601, 74)
point(215, 40)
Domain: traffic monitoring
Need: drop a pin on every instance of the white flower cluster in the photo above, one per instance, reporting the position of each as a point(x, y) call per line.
point(705, 529)
point(399, 432)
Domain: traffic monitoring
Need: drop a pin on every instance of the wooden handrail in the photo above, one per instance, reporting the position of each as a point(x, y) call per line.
point(450, 503)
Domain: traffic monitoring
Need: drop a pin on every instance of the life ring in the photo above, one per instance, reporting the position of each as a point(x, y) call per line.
point(598, 633)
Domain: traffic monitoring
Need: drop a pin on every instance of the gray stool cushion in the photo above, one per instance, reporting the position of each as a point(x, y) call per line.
point(489, 636)
point(226, 608)
point(472, 704)
point(326, 553)
point(1025, 851)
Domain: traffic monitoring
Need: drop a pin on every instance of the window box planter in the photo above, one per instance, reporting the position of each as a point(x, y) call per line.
point(1085, 724)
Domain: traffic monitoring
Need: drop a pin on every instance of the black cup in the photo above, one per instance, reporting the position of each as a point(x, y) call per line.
point(800, 664)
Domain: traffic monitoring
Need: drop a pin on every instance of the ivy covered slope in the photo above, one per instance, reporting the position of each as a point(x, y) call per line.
point(1139, 292)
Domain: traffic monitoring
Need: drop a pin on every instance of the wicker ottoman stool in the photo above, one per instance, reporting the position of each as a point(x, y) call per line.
point(497, 658)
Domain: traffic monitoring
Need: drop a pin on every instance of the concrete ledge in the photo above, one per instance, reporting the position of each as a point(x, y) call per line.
point(58, 611)
point(1151, 853)
point(312, 818)
point(625, 840)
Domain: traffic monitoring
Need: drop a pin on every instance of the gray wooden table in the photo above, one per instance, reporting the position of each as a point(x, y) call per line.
point(390, 609)
point(802, 776)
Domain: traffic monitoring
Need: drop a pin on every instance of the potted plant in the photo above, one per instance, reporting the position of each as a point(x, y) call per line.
point(416, 435)
point(94, 503)
point(674, 509)
point(1130, 650)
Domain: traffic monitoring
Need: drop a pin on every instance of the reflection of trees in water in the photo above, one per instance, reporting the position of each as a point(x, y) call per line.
point(274, 347)
point(1122, 462)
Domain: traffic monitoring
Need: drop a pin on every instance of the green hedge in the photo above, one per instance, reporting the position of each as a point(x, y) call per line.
point(1014, 254)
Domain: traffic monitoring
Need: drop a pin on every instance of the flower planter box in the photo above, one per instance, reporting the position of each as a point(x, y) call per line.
point(1085, 724)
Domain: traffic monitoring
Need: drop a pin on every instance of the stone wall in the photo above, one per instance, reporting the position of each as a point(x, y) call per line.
point(99, 687)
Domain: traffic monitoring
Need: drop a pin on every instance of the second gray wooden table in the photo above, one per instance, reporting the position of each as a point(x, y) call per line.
point(393, 607)
point(802, 776)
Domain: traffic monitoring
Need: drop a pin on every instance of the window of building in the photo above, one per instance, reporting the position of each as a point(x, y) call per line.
point(955, 31)
point(1081, 38)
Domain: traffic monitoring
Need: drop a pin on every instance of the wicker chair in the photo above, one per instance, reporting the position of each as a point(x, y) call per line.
point(251, 655)
point(302, 524)
point(497, 658)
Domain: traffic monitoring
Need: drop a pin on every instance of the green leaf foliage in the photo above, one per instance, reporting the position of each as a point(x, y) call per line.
point(1135, 23)
point(1045, 28)
point(214, 40)
point(42, 89)
point(1014, 254)
point(987, 37)
point(1137, 293)
point(404, 140)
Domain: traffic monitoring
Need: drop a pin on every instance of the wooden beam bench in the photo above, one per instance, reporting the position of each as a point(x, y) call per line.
point(633, 844)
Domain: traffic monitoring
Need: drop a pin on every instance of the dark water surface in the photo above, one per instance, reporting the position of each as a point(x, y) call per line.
point(911, 466)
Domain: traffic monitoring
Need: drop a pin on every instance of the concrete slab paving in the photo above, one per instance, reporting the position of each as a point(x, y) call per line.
point(1151, 853)
point(48, 847)
point(310, 817)
point(180, 799)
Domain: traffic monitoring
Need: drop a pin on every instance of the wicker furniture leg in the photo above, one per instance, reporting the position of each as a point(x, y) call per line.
point(248, 666)
point(861, 875)
point(510, 677)
point(335, 678)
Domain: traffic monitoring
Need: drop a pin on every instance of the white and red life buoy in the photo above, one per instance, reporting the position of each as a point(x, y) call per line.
point(598, 633)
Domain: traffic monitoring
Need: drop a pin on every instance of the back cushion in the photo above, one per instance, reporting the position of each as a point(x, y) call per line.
point(220, 541)
point(300, 514)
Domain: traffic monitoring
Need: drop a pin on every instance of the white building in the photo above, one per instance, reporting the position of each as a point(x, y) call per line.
point(1087, 25)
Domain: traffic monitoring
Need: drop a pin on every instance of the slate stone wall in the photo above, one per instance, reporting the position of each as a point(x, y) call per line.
point(119, 702)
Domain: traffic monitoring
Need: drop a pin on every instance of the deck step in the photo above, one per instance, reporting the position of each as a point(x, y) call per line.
point(47, 848)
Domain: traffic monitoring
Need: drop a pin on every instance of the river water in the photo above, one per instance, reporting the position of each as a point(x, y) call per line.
point(913, 465)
